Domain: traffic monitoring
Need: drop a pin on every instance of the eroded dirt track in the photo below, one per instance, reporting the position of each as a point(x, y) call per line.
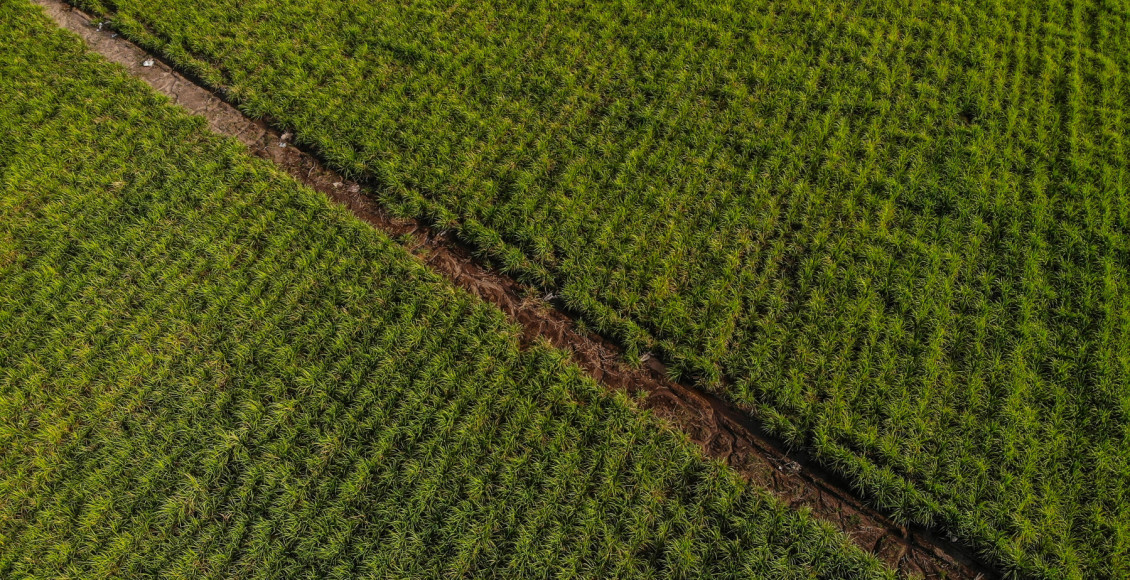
point(722, 431)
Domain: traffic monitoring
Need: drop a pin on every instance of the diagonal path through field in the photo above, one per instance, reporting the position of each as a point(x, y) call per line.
point(723, 432)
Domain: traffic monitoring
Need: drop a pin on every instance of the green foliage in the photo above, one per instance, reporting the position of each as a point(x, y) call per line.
point(208, 371)
point(901, 228)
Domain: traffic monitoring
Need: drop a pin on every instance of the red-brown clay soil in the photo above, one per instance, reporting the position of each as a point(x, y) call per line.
point(722, 431)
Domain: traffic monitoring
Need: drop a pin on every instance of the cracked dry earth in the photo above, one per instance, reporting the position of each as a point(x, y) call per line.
point(722, 431)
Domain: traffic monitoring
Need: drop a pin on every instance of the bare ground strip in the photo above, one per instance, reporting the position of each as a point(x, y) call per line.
point(722, 431)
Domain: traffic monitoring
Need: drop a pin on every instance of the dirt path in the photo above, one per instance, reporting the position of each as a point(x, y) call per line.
point(722, 431)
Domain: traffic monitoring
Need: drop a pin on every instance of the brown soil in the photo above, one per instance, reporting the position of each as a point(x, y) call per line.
point(722, 431)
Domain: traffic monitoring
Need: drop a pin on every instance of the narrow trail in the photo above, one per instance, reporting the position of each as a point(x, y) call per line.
point(722, 431)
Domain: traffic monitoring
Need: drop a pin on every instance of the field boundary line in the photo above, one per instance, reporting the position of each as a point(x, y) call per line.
point(720, 430)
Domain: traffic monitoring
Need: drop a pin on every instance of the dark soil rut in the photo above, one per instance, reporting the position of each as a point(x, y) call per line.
point(722, 431)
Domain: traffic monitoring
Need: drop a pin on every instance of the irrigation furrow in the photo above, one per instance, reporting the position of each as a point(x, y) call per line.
point(720, 430)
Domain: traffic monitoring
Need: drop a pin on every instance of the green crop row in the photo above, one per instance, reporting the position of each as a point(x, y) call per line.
point(208, 371)
point(896, 231)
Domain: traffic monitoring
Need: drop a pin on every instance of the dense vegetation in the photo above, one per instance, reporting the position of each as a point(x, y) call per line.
point(208, 371)
point(899, 232)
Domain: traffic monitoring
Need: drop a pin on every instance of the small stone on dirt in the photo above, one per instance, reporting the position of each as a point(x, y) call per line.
point(788, 465)
point(147, 62)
